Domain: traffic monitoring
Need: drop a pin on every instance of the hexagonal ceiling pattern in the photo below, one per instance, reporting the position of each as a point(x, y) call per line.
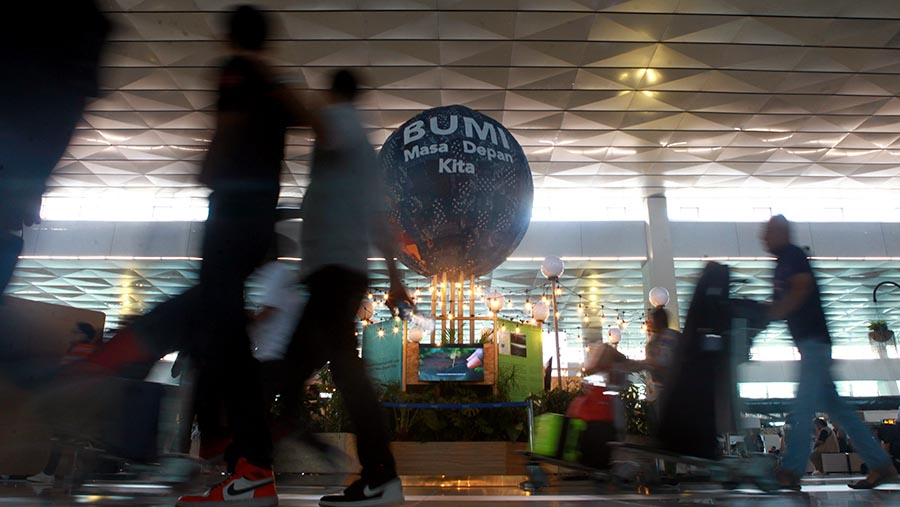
point(624, 97)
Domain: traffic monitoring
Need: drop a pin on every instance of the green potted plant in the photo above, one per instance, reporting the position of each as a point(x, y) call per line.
point(879, 331)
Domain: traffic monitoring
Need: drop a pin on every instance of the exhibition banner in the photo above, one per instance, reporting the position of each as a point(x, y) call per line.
point(383, 354)
point(523, 351)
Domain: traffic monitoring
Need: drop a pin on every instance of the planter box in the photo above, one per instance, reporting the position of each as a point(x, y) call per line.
point(413, 458)
point(459, 458)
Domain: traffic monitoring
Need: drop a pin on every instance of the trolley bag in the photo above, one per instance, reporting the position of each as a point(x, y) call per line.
point(688, 416)
point(557, 436)
point(597, 410)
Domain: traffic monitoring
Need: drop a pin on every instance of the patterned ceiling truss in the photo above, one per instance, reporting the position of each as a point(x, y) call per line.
point(608, 287)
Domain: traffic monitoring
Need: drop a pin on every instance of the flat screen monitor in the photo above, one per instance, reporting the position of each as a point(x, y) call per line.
point(451, 363)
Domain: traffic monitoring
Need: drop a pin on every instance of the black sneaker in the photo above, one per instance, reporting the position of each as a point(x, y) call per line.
point(362, 494)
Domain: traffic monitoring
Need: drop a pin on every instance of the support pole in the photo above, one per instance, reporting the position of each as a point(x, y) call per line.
point(556, 332)
point(472, 309)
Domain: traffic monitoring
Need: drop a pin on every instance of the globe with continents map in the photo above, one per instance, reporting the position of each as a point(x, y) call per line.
point(460, 190)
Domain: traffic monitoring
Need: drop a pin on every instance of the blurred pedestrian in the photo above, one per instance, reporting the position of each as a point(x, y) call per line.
point(344, 211)
point(47, 77)
point(796, 299)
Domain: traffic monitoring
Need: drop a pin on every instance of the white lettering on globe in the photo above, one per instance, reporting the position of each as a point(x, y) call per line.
point(425, 149)
point(471, 128)
point(454, 166)
point(490, 153)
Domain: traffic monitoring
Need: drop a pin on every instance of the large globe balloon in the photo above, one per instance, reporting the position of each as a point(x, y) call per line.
point(460, 189)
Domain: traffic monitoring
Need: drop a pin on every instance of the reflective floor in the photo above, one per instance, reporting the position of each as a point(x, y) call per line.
point(296, 491)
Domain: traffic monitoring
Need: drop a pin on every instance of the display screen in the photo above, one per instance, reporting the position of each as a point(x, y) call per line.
point(451, 363)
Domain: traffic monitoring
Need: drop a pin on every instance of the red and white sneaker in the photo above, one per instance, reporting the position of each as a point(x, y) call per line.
point(248, 486)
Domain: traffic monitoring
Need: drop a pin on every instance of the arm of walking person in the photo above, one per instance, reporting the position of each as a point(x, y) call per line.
point(385, 236)
point(801, 287)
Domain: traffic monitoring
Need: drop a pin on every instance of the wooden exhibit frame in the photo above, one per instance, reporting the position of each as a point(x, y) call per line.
point(451, 296)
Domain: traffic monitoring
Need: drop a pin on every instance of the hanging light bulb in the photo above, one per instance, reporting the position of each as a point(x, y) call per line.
point(528, 306)
point(449, 316)
point(559, 291)
point(518, 329)
point(580, 309)
point(416, 293)
point(381, 333)
point(545, 299)
point(364, 323)
point(431, 288)
point(533, 322)
point(509, 304)
point(396, 329)
point(371, 295)
point(587, 319)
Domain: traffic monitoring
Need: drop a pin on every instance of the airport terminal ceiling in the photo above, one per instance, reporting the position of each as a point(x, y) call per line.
point(612, 100)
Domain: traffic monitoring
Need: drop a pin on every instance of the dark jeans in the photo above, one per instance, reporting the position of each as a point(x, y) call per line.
point(326, 334)
point(209, 323)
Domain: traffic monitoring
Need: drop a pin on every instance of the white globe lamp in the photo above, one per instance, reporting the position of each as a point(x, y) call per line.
point(540, 311)
point(614, 335)
point(494, 301)
point(659, 296)
point(415, 334)
point(366, 310)
point(552, 267)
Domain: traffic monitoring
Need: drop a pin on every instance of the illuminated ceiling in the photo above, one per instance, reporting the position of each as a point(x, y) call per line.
point(620, 98)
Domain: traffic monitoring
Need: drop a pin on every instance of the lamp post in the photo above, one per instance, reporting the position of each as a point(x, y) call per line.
point(552, 268)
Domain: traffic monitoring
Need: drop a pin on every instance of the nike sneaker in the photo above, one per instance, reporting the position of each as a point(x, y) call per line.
point(363, 494)
point(248, 486)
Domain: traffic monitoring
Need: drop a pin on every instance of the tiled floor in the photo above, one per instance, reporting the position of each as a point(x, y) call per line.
point(302, 492)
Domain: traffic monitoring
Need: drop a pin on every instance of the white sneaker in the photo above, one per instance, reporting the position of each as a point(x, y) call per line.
point(41, 478)
point(363, 494)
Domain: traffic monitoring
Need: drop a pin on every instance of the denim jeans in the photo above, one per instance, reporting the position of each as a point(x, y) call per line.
point(816, 392)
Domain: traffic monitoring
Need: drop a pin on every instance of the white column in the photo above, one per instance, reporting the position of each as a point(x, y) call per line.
point(659, 270)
